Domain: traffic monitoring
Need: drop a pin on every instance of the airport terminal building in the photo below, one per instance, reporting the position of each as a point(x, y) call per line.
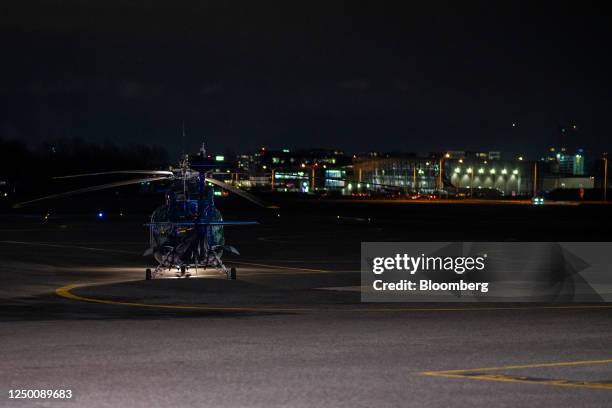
point(453, 173)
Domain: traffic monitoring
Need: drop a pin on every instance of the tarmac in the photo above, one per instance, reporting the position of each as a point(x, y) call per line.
point(77, 314)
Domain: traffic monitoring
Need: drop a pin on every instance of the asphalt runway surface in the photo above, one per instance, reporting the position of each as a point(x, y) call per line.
point(76, 314)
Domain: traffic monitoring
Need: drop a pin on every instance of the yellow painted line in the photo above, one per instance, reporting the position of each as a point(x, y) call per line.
point(289, 268)
point(45, 244)
point(468, 373)
point(478, 309)
point(87, 248)
point(65, 292)
point(518, 367)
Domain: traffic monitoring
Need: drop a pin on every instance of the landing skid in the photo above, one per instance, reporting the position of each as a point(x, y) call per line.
point(185, 271)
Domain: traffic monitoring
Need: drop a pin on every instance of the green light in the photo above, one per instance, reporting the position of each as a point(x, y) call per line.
point(219, 158)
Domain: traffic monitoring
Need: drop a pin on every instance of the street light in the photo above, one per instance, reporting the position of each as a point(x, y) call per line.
point(605, 186)
point(535, 178)
point(471, 173)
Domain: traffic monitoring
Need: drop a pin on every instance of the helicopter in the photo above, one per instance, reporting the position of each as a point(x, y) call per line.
point(186, 232)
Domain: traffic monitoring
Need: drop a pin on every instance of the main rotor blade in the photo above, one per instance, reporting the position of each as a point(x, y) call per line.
point(93, 188)
point(151, 172)
point(239, 192)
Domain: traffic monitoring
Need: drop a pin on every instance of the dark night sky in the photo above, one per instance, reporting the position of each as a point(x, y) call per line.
point(359, 76)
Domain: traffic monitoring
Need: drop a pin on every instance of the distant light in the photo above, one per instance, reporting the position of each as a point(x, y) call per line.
point(303, 165)
point(504, 171)
point(447, 155)
point(481, 170)
point(217, 193)
point(350, 186)
point(520, 158)
point(457, 169)
point(100, 214)
point(460, 160)
point(219, 158)
point(469, 170)
point(513, 124)
point(492, 171)
point(285, 150)
point(264, 167)
point(515, 172)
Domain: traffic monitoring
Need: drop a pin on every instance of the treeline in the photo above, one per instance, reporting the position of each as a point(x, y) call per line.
point(25, 167)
